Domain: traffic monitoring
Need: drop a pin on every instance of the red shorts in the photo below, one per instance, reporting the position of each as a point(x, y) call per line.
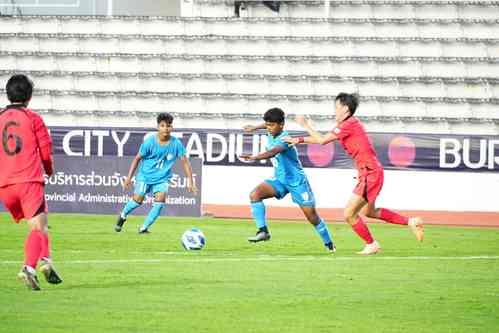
point(23, 200)
point(370, 183)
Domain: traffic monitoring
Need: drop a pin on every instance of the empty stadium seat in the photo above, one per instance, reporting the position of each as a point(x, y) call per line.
point(417, 63)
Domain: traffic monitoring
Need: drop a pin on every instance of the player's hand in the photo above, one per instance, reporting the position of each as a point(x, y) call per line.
point(249, 128)
point(191, 187)
point(290, 140)
point(302, 121)
point(247, 157)
point(126, 184)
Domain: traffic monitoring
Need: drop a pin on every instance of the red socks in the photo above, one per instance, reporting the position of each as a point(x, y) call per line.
point(32, 248)
point(45, 250)
point(36, 247)
point(392, 217)
point(361, 229)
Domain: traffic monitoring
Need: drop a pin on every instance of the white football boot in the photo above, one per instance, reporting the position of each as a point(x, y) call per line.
point(416, 226)
point(369, 249)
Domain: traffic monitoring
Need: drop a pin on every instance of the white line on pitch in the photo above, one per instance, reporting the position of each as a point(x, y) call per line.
point(257, 258)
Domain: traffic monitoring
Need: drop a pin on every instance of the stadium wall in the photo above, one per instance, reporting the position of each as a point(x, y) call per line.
point(463, 198)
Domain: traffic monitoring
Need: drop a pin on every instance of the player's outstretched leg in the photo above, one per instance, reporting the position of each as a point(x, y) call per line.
point(415, 223)
point(323, 232)
point(320, 227)
point(258, 211)
point(129, 207)
point(151, 217)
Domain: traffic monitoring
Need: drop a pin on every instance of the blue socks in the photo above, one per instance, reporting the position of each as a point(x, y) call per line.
point(323, 231)
point(153, 215)
point(129, 207)
point(258, 211)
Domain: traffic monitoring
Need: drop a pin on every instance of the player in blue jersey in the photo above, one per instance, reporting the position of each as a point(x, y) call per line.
point(289, 177)
point(155, 160)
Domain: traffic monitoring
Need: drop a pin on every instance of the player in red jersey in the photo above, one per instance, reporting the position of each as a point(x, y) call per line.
point(354, 139)
point(26, 148)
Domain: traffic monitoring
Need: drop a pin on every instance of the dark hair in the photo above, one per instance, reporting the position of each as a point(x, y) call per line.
point(19, 88)
point(274, 115)
point(350, 100)
point(165, 117)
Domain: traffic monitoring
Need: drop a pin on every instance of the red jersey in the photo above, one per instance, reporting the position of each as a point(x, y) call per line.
point(26, 143)
point(354, 139)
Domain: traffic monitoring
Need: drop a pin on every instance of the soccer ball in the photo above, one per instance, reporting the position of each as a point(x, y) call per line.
point(193, 239)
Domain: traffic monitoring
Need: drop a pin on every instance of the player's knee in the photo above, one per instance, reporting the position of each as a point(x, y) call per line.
point(372, 213)
point(138, 199)
point(39, 223)
point(255, 196)
point(313, 218)
point(349, 215)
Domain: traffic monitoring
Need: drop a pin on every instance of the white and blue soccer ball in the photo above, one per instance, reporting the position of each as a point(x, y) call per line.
point(193, 239)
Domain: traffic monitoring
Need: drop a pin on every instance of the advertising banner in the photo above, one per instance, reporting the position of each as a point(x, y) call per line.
point(94, 185)
point(435, 152)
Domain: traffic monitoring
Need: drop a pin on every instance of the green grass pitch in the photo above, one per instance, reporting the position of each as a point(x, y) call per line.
point(125, 282)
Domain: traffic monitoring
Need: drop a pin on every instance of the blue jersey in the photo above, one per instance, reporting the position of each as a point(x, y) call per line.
point(157, 160)
point(287, 166)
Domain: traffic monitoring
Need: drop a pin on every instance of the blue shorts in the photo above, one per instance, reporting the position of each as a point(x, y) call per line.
point(301, 194)
point(142, 188)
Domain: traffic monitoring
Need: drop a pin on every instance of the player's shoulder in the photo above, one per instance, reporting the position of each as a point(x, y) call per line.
point(348, 124)
point(20, 111)
point(356, 125)
point(352, 121)
point(35, 117)
point(27, 111)
point(149, 136)
point(149, 139)
point(26, 116)
point(175, 140)
point(32, 113)
point(278, 140)
point(281, 136)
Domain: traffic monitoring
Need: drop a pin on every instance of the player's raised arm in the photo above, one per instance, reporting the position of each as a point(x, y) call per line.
point(131, 171)
point(252, 128)
point(265, 155)
point(314, 136)
point(191, 185)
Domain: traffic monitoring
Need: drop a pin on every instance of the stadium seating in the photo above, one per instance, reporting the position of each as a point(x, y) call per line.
point(416, 68)
point(424, 9)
